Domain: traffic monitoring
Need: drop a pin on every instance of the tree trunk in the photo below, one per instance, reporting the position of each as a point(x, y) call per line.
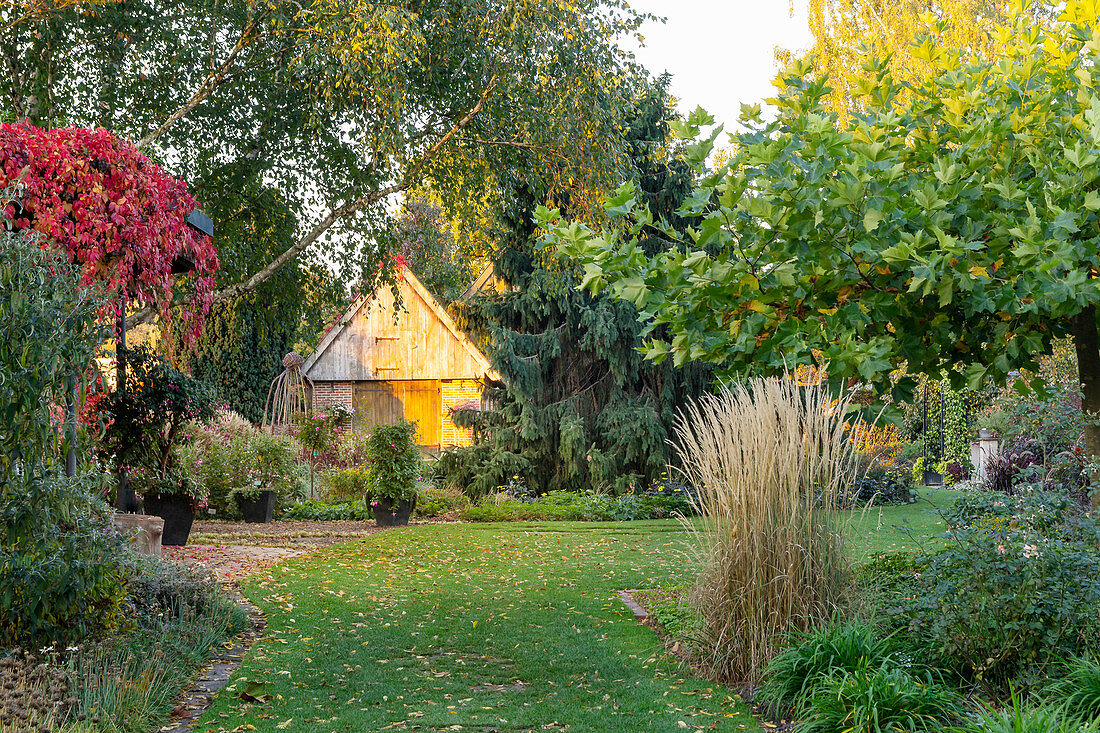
point(1087, 342)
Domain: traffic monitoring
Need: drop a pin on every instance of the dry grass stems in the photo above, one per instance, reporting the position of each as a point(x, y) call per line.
point(772, 466)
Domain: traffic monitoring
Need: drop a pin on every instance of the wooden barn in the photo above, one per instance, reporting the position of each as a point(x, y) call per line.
point(420, 366)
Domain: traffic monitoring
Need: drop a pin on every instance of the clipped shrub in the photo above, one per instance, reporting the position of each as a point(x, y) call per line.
point(774, 464)
point(574, 506)
point(796, 674)
point(883, 699)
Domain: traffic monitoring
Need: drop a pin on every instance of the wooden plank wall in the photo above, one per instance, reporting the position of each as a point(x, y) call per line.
point(384, 403)
point(418, 346)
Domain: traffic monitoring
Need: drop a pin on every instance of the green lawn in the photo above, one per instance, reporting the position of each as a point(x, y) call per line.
point(472, 627)
point(493, 627)
point(918, 526)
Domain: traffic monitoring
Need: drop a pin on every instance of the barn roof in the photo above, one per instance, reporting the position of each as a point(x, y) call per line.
point(347, 351)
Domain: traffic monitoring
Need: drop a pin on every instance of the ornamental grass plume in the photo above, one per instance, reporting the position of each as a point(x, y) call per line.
point(772, 466)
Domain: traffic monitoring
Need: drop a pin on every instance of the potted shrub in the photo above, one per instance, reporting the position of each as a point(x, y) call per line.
point(173, 499)
point(246, 471)
point(257, 504)
point(393, 471)
point(271, 468)
point(144, 431)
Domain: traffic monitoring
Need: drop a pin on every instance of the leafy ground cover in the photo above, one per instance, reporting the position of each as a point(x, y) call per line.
point(472, 627)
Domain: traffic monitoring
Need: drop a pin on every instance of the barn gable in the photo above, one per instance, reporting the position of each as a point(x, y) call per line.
point(422, 343)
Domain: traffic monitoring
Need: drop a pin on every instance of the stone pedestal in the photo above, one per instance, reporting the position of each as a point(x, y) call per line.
point(987, 446)
point(145, 531)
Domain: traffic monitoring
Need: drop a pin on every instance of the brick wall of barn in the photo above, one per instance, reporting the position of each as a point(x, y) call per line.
point(459, 393)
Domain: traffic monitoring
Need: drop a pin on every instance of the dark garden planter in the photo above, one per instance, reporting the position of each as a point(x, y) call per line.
point(258, 510)
point(933, 478)
point(390, 513)
point(177, 512)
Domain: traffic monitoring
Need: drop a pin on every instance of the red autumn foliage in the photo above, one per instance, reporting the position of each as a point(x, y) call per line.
point(114, 212)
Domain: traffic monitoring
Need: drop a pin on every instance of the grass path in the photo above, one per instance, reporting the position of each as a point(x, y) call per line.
point(503, 627)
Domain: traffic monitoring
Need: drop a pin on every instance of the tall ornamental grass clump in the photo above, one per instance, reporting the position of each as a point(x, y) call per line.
point(773, 466)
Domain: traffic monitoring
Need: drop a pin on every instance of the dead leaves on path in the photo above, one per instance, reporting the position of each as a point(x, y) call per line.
point(444, 624)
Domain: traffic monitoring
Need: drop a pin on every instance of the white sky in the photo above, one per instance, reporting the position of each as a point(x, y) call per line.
point(720, 52)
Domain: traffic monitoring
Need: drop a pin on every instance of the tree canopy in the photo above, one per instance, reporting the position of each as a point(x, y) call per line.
point(843, 28)
point(578, 406)
point(115, 214)
point(953, 227)
point(338, 104)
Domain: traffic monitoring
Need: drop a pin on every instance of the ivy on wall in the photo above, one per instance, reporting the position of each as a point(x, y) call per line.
point(961, 412)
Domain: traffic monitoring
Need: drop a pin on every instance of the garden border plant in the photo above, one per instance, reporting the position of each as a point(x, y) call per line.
point(773, 463)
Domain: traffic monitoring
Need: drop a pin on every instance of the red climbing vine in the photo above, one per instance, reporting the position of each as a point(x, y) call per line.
point(114, 212)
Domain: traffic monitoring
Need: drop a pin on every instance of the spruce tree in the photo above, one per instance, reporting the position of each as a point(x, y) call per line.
point(579, 408)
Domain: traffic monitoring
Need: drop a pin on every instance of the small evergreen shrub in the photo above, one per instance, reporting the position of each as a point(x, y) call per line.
point(883, 699)
point(882, 484)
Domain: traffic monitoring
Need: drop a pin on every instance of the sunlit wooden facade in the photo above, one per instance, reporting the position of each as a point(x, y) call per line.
point(419, 366)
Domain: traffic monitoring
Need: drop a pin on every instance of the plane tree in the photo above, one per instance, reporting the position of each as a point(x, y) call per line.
point(952, 229)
